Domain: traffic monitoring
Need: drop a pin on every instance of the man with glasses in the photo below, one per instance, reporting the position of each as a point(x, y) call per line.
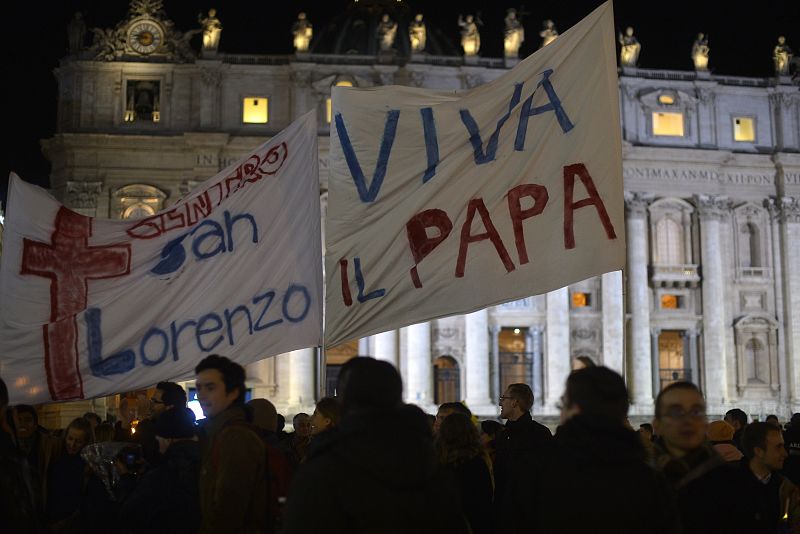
point(521, 436)
point(711, 495)
point(167, 396)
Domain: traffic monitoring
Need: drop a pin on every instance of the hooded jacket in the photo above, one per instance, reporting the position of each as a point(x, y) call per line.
point(377, 472)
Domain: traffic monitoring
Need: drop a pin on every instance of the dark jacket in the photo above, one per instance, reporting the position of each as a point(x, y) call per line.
point(18, 511)
point(474, 481)
point(375, 473)
point(233, 484)
point(519, 439)
point(771, 501)
point(166, 499)
point(593, 478)
point(710, 493)
point(791, 467)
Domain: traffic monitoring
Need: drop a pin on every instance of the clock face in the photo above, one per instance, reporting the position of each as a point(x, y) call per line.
point(145, 37)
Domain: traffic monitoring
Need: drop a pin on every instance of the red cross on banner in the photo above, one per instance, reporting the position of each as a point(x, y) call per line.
point(69, 262)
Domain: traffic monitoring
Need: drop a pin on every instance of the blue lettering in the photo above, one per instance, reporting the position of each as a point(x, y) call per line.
point(176, 332)
point(269, 295)
point(143, 346)
point(230, 221)
point(201, 331)
point(172, 257)
point(215, 232)
point(431, 143)
point(115, 364)
point(294, 288)
point(360, 281)
point(554, 105)
point(389, 131)
point(229, 315)
point(475, 134)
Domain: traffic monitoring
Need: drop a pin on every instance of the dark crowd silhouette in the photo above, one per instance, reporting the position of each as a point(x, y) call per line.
point(365, 462)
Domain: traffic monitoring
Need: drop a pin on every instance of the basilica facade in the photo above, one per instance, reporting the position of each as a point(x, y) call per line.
point(711, 290)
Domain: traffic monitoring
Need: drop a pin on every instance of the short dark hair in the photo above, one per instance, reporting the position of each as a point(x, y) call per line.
point(301, 414)
point(737, 415)
point(79, 423)
point(598, 391)
point(673, 387)
point(330, 408)
point(755, 435)
point(173, 394)
point(523, 394)
point(772, 416)
point(367, 384)
point(27, 408)
point(456, 407)
point(232, 373)
point(281, 424)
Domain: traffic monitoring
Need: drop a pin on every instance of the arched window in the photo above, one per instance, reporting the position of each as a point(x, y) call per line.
point(447, 380)
point(749, 246)
point(756, 364)
point(669, 242)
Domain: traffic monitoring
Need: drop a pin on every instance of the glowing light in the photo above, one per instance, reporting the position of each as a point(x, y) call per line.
point(516, 330)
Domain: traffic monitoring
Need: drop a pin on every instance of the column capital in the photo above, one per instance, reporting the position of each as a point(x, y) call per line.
point(636, 203)
point(82, 194)
point(790, 209)
point(712, 207)
point(772, 205)
point(655, 331)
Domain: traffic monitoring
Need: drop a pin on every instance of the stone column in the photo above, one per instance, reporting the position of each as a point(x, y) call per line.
point(301, 379)
point(654, 357)
point(211, 76)
point(790, 252)
point(420, 367)
point(536, 348)
point(773, 207)
point(613, 322)
point(301, 90)
point(386, 346)
point(558, 355)
point(363, 346)
point(496, 388)
point(477, 362)
point(712, 209)
point(640, 358)
point(694, 364)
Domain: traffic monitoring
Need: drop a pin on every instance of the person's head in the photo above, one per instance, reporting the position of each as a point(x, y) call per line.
point(595, 391)
point(736, 418)
point(167, 395)
point(265, 416)
point(326, 415)
point(489, 430)
point(582, 362)
point(646, 431)
point(367, 384)
point(78, 435)
point(280, 423)
point(457, 440)
point(680, 417)
point(27, 420)
point(93, 419)
point(174, 425)
point(719, 432)
point(516, 401)
point(762, 443)
point(219, 383)
point(302, 425)
point(446, 409)
point(773, 420)
point(104, 432)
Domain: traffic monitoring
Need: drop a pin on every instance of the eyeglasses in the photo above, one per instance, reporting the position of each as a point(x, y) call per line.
point(504, 397)
point(680, 413)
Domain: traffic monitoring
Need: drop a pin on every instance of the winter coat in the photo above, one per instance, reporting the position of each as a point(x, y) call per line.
point(593, 478)
point(710, 492)
point(771, 501)
point(18, 511)
point(166, 499)
point(474, 481)
point(519, 439)
point(233, 484)
point(791, 467)
point(375, 473)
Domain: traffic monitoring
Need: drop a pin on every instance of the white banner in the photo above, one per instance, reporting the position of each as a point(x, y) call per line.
point(443, 203)
point(92, 307)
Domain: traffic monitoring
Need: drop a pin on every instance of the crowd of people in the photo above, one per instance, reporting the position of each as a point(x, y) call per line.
point(366, 462)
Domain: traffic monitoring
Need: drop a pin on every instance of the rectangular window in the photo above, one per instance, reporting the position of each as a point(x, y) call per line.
point(581, 300)
point(255, 110)
point(744, 129)
point(143, 101)
point(328, 110)
point(671, 302)
point(670, 124)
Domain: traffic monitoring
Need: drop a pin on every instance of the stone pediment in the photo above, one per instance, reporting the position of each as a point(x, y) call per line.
point(680, 99)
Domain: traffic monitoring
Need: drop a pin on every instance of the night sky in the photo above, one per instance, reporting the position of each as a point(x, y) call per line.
point(741, 34)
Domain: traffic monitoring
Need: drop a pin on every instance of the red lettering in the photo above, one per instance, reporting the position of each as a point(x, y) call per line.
point(422, 245)
point(476, 204)
point(570, 171)
point(539, 195)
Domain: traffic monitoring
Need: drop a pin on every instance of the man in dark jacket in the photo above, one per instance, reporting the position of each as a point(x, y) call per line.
point(377, 471)
point(710, 494)
point(577, 484)
point(166, 498)
point(738, 420)
point(167, 396)
point(521, 437)
point(791, 438)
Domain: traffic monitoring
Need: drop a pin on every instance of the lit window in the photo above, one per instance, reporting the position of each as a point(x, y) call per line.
point(671, 302)
point(666, 100)
point(580, 300)
point(329, 106)
point(668, 123)
point(255, 110)
point(744, 129)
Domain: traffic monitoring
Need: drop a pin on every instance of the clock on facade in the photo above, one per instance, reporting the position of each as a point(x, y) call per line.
point(145, 36)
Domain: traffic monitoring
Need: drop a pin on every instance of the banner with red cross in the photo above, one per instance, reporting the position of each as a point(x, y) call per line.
point(92, 307)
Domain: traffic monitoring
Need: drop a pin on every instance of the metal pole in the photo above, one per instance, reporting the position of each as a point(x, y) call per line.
point(321, 373)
